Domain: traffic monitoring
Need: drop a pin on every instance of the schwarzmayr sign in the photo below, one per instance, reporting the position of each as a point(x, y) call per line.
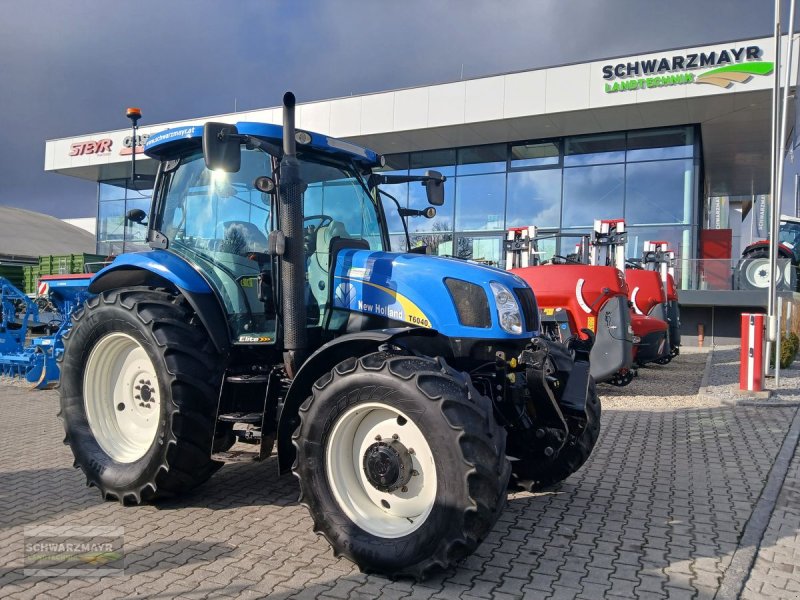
point(733, 65)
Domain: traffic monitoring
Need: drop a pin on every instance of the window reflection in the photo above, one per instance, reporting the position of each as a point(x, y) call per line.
point(443, 161)
point(676, 237)
point(437, 244)
point(594, 149)
point(480, 200)
point(659, 192)
point(481, 159)
point(660, 144)
point(590, 193)
point(534, 198)
point(568, 244)
point(539, 154)
point(485, 250)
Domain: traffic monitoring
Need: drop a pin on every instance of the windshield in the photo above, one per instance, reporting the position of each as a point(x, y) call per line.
point(789, 233)
point(220, 222)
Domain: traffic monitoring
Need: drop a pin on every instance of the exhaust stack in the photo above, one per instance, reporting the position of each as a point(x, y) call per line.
point(290, 219)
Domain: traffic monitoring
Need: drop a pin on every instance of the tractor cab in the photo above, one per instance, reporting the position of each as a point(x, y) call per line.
point(221, 221)
point(789, 235)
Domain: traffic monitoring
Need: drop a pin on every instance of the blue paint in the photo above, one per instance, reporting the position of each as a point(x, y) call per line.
point(174, 141)
point(165, 264)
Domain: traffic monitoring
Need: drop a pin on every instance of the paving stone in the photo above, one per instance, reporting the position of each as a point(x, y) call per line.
point(656, 511)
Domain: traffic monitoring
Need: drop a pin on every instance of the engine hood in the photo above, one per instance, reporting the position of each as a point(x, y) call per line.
point(411, 288)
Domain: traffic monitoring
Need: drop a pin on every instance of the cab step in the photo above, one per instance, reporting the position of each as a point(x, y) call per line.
point(241, 417)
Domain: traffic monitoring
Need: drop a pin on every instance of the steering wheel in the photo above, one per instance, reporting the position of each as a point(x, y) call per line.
point(310, 231)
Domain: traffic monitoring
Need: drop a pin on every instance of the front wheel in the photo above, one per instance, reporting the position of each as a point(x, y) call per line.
point(138, 396)
point(401, 463)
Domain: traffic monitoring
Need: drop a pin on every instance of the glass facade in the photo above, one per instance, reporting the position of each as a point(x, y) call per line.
point(650, 177)
point(116, 198)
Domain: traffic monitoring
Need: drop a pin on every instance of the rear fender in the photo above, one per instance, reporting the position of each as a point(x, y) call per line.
point(427, 341)
point(783, 250)
point(163, 269)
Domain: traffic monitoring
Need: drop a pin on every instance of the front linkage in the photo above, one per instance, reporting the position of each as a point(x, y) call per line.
point(548, 404)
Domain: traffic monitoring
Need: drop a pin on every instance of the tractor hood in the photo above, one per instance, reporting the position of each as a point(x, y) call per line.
point(453, 296)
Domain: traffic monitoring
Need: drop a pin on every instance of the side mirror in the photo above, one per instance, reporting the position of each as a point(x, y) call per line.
point(434, 188)
point(136, 215)
point(222, 147)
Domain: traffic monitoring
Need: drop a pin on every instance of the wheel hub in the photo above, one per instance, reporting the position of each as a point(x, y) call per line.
point(387, 466)
point(146, 393)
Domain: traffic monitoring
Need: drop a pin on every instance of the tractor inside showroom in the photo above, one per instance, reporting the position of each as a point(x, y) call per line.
point(753, 269)
point(401, 389)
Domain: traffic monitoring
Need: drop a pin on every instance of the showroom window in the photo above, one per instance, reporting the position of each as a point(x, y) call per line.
point(649, 177)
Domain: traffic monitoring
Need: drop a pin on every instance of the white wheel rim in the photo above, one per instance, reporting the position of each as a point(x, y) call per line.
point(757, 273)
point(121, 397)
point(384, 514)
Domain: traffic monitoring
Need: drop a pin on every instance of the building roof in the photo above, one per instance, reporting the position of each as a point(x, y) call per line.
point(732, 108)
point(27, 233)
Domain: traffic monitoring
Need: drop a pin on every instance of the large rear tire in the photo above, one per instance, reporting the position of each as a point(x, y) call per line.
point(401, 463)
point(754, 271)
point(138, 388)
point(536, 474)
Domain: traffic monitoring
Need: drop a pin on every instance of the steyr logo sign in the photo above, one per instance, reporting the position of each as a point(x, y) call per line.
point(91, 147)
point(733, 65)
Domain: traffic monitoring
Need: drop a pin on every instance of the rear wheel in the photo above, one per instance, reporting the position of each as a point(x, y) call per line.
point(138, 395)
point(754, 271)
point(401, 463)
point(535, 474)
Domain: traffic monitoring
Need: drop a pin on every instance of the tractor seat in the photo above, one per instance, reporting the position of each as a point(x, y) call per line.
point(330, 239)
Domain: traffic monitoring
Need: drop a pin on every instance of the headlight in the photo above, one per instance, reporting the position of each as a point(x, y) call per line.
point(637, 339)
point(508, 312)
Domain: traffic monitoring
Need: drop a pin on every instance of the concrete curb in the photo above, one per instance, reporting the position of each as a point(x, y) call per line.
point(764, 399)
point(706, 373)
point(737, 573)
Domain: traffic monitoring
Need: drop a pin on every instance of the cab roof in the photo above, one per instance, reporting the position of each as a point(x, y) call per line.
point(169, 143)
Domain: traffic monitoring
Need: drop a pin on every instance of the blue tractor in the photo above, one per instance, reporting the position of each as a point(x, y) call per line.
point(401, 389)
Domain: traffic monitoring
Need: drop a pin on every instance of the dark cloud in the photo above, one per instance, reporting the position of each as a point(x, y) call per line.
point(70, 68)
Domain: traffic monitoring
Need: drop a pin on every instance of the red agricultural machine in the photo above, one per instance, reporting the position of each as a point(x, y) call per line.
point(650, 332)
point(590, 289)
point(574, 297)
point(653, 292)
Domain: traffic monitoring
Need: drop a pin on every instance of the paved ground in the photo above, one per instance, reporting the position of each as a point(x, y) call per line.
point(657, 512)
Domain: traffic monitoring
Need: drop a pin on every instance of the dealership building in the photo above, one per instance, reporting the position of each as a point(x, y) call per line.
point(676, 142)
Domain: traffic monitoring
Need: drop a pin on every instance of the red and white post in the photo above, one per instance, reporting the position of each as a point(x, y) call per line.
point(751, 357)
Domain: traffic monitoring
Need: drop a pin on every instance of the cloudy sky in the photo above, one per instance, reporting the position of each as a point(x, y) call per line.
point(72, 67)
